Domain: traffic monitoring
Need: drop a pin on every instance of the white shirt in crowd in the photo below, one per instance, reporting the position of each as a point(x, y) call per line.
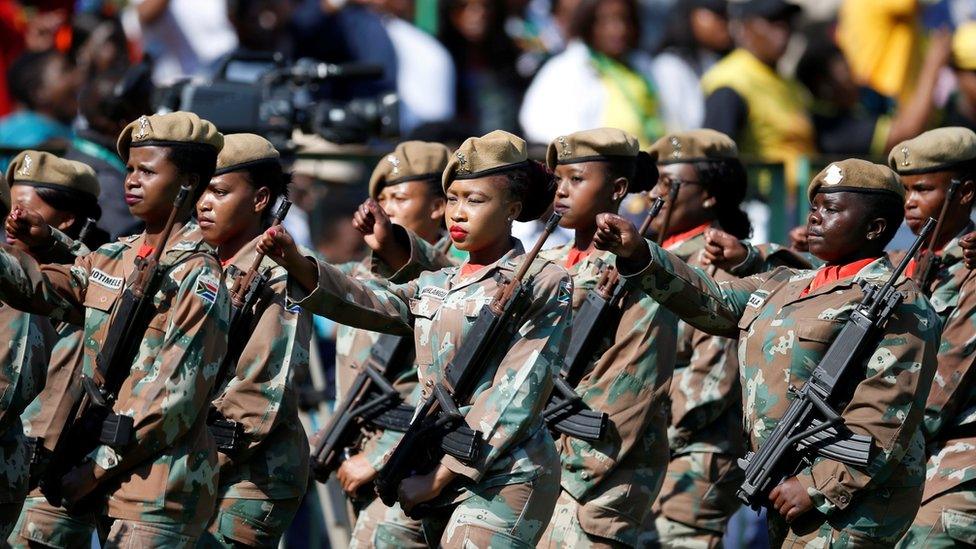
point(186, 40)
point(567, 96)
point(425, 75)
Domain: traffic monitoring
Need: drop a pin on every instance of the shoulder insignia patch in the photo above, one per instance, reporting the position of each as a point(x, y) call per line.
point(102, 278)
point(207, 289)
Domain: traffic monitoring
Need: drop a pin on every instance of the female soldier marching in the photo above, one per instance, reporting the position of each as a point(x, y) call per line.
point(506, 496)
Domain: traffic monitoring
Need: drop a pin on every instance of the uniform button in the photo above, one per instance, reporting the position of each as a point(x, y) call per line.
point(102, 299)
point(843, 499)
point(584, 475)
point(429, 382)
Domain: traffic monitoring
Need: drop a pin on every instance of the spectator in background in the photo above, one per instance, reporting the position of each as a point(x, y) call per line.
point(99, 44)
point(746, 98)
point(425, 71)
point(488, 87)
point(960, 110)
point(184, 37)
point(881, 41)
point(842, 122)
point(45, 88)
point(602, 79)
point(108, 102)
point(261, 25)
point(698, 35)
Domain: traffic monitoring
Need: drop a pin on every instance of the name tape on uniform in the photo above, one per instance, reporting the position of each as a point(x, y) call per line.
point(757, 299)
point(102, 278)
point(436, 293)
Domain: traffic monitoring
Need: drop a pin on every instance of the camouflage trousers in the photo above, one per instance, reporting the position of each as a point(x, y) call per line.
point(565, 530)
point(251, 522)
point(508, 516)
point(129, 534)
point(880, 521)
point(42, 524)
point(948, 520)
point(695, 504)
point(380, 526)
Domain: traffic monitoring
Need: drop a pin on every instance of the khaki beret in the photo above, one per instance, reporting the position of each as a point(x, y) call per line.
point(492, 153)
point(43, 169)
point(410, 161)
point(242, 150)
point(694, 146)
point(168, 130)
point(933, 151)
point(591, 145)
point(858, 176)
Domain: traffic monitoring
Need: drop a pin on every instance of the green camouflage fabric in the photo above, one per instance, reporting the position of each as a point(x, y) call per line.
point(782, 337)
point(380, 526)
point(353, 345)
point(437, 309)
point(273, 464)
point(132, 534)
point(705, 430)
point(41, 524)
point(950, 411)
point(946, 521)
point(249, 522)
point(167, 475)
point(615, 480)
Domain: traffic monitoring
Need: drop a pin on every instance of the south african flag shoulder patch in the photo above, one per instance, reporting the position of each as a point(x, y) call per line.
point(207, 288)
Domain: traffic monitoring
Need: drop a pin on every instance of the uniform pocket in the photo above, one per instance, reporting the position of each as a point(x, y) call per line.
point(959, 526)
point(424, 310)
point(817, 330)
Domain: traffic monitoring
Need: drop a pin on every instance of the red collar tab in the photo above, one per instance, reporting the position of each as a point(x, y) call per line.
point(685, 236)
point(833, 273)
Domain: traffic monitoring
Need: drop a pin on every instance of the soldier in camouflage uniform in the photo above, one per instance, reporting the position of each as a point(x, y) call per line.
point(608, 485)
point(66, 193)
point(162, 485)
point(505, 497)
point(705, 429)
point(927, 164)
point(785, 320)
point(263, 478)
point(404, 189)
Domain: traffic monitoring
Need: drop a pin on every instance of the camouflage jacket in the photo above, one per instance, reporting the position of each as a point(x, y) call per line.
point(273, 464)
point(706, 398)
point(168, 473)
point(950, 412)
point(437, 309)
point(28, 366)
point(617, 478)
point(353, 345)
point(782, 337)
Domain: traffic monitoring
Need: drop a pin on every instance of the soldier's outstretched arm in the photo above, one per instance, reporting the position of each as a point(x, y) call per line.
point(687, 291)
point(56, 291)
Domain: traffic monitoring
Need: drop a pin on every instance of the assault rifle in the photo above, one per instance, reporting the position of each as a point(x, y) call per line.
point(566, 412)
point(248, 287)
point(927, 262)
point(811, 427)
point(438, 426)
point(371, 399)
point(92, 421)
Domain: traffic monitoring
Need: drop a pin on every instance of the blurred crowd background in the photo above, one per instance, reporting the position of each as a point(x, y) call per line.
point(796, 84)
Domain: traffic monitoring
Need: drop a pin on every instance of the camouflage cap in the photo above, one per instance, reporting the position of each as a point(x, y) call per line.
point(933, 151)
point(242, 150)
point(694, 146)
point(857, 176)
point(169, 130)
point(492, 153)
point(410, 161)
point(591, 145)
point(45, 170)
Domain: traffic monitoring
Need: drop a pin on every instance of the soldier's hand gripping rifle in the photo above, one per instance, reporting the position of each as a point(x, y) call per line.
point(438, 427)
point(92, 422)
point(248, 288)
point(566, 412)
point(371, 399)
point(927, 262)
point(811, 426)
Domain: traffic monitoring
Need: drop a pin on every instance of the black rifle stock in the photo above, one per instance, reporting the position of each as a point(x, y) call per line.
point(248, 287)
point(811, 427)
point(371, 399)
point(927, 262)
point(438, 427)
point(566, 412)
point(92, 421)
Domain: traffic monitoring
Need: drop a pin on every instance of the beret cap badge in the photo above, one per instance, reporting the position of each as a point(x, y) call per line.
point(676, 146)
point(834, 175)
point(905, 153)
point(395, 162)
point(144, 128)
point(25, 170)
point(564, 148)
point(462, 162)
